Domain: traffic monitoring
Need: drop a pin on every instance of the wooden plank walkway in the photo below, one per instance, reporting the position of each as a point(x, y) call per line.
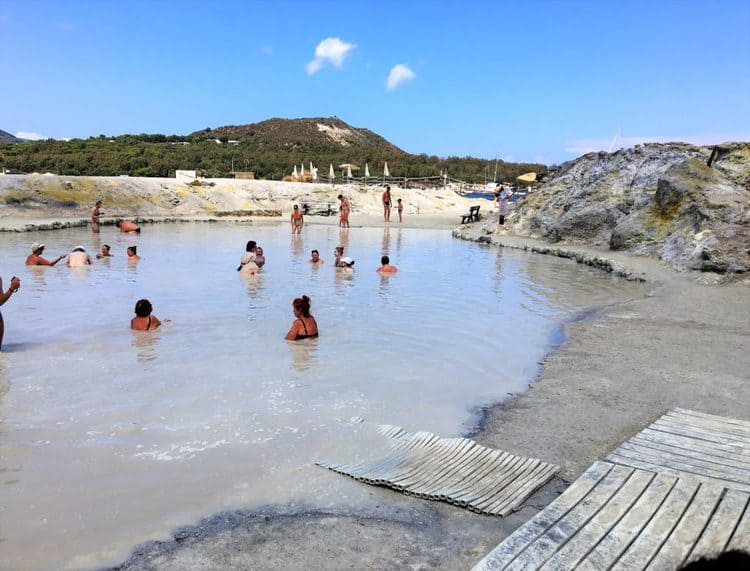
point(454, 470)
point(677, 491)
point(623, 518)
point(685, 442)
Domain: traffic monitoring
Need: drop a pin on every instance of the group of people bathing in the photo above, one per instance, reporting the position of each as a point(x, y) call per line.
point(77, 258)
point(127, 226)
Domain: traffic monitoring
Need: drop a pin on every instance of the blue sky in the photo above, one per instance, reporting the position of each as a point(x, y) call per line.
point(523, 81)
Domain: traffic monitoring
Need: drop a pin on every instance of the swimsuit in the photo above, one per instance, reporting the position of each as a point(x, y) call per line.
point(306, 336)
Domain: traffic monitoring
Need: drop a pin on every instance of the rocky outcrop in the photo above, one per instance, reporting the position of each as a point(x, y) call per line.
point(656, 199)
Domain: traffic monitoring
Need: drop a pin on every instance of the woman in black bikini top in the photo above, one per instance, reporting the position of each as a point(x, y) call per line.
point(305, 326)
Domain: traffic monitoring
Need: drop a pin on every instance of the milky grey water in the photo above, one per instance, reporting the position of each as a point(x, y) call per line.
point(109, 437)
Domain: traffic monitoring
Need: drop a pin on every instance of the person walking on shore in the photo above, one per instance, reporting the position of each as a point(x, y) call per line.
point(15, 283)
point(400, 208)
point(95, 214)
point(35, 258)
point(387, 204)
point(345, 209)
point(297, 220)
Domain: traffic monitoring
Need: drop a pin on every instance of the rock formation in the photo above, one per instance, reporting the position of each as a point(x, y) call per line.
point(654, 199)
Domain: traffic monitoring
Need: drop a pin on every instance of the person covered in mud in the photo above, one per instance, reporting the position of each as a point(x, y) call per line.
point(304, 326)
point(128, 227)
point(78, 258)
point(15, 284)
point(143, 320)
point(36, 259)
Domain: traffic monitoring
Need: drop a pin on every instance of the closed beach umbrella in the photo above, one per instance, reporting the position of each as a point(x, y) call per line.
point(312, 170)
point(331, 175)
point(302, 170)
point(367, 171)
point(385, 169)
point(348, 171)
point(294, 174)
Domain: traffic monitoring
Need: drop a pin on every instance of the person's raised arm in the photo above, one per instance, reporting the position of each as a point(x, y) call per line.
point(15, 283)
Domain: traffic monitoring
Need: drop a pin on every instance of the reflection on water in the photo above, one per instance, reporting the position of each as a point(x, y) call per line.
point(386, 240)
point(216, 410)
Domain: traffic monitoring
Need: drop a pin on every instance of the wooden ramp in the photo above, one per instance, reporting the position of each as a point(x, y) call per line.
point(454, 470)
point(685, 442)
point(617, 517)
point(677, 491)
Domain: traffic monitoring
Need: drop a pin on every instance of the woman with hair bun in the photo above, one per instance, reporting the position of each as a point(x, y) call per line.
point(304, 326)
point(143, 320)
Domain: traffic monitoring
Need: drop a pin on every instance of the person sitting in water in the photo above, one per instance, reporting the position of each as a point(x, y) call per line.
point(143, 320)
point(35, 258)
point(304, 326)
point(104, 253)
point(79, 258)
point(315, 258)
point(386, 267)
point(260, 259)
point(15, 284)
point(346, 266)
point(133, 255)
point(338, 252)
point(128, 226)
point(249, 256)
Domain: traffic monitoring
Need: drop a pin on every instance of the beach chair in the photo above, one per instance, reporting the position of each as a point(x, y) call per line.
point(471, 216)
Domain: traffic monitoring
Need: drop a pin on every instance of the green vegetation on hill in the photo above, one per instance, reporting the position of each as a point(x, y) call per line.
point(270, 149)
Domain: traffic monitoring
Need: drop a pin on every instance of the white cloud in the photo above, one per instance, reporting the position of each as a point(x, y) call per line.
point(398, 75)
point(30, 136)
point(583, 146)
point(330, 50)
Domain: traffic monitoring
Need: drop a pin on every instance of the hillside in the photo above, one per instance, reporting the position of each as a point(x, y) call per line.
point(270, 149)
point(6, 137)
point(662, 200)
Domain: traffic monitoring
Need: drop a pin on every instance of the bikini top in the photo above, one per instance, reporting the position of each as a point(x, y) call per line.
point(306, 336)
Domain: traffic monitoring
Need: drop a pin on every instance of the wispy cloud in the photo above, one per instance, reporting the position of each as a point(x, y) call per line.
point(398, 75)
point(330, 50)
point(31, 136)
point(583, 146)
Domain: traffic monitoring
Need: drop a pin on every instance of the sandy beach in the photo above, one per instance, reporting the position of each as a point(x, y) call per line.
point(619, 368)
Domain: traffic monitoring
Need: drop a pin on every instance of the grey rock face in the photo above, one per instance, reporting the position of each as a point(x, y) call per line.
point(657, 199)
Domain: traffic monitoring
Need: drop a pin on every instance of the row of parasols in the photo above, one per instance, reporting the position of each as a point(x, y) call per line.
point(345, 168)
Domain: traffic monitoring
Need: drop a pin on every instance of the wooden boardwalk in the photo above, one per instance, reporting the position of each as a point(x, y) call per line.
point(677, 491)
point(454, 470)
point(685, 442)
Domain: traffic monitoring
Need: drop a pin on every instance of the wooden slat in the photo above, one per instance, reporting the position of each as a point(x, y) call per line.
point(741, 536)
point(720, 529)
point(524, 536)
point(456, 470)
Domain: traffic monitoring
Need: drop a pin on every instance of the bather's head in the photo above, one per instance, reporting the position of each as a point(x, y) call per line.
point(301, 306)
point(143, 308)
point(250, 247)
point(385, 260)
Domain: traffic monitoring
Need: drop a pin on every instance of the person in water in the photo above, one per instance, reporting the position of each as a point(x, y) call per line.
point(304, 326)
point(346, 266)
point(386, 267)
point(104, 253)
point(387, 204)
point(315, 258)
point(35, 258)
point(79, 258)
point(95, 214)
point(143, 320)
point(297, 220)
point(15, 284)
point(128, 226)
point(133, 255)
point(345, 209)
point(249, 257)
point(338, 253)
